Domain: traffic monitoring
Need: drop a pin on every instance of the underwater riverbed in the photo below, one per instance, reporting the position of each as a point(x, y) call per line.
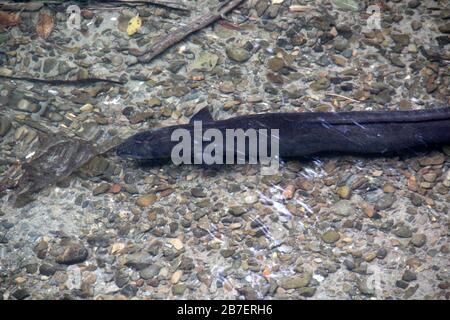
point(335, 227)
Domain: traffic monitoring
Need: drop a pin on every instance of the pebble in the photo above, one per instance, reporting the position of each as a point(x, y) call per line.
point(401, 39)
point(177, 244)
point(370, 256)
point(49, 65)
point(87, 108)
point(288, 192)
point(27, 106)
point(307, 292)
point(344, 192)
point(343, 208)
point(447, 179)
point(321, 84)
point(198, 193)
point(418, 239)
point(385, 202)
point(409, 276)
point(397, 61)
point(227, 87)
point(176, 276)
point(416, 25)
point(401, 284)
point(445, 28)
point(237, 211)
point(115, 188)
point(261, 6)
point(154, 102)
point(146, 200)
point(330, 236)
point(21, 294)
point(179, 289)
point(295, 282)
point(238, 54)
point(413, 4)
point(340, 44)
point(403, 231)
point(102, 188)
point(47, 269)
point(73, 254)
point(117, 247)
point(149, 272)
point(139, 261)
point(117, 60)
point(432, 160)
point(5, 72)
point(382, 253)
point(275, 64)
point(339, 60)
point(5, 126)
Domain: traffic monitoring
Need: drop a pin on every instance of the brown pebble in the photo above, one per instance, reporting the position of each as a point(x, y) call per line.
point(115, 188)
point(146, 200)
point(288, 193)
point(368, 209)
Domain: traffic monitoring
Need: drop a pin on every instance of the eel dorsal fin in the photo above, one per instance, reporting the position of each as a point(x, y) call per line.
point(203, 115)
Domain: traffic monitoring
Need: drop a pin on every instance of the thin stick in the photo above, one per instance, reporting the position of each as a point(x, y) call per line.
point(182, 32)
point(63, 82)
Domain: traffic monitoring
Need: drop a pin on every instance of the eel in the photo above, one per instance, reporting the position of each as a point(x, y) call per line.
point(305, 134)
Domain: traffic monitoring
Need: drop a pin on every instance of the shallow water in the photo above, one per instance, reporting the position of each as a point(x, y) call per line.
point(332, 227)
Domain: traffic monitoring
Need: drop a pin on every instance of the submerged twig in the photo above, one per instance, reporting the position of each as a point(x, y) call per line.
point(63, 82)
point(182, 32)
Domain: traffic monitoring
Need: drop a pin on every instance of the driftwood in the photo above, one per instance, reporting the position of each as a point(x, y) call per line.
point(182, 32)
point(74, 82)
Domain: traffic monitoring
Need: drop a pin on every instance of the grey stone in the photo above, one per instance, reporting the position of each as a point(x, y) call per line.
point(238, 54)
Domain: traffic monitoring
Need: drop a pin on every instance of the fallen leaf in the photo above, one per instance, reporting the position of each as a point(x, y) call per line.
point(134, 25)
point(9, 19)
point(45, 25)
point(205, 61)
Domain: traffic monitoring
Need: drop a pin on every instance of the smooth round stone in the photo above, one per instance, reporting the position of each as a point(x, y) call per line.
point(238, 54)
point(146, 200)
point(403, 232)
point(5, 72)
point(330, 236)
point(117, 61)
point(55, 117)
point(49, 65)
point(418, 239)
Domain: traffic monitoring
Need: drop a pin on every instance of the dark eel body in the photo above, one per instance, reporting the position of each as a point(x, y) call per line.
point(311, 133)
